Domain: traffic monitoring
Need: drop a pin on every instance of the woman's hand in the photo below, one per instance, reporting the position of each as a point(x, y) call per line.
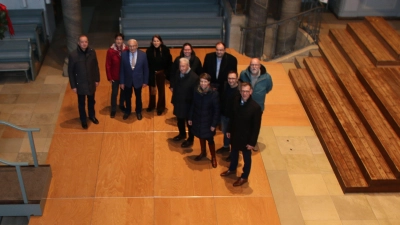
point(212, 128)
point(190, 122)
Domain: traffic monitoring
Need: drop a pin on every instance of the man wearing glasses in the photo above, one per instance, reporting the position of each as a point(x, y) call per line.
point(260, 80)
point(243, 129)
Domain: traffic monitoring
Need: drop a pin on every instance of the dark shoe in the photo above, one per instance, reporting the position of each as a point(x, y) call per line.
point(94, 120)
point(186, 144)
point(126, 115)
point(240, 182)
point(159, 112)
point(214, 162)
point(149, 109)
point(228, 159)
point(227, 173)
point(84, 125)
point(122, 108)
point(222, 150)
point(199, 157)
point(112, 114)
point(139, 116)
point(178, 138)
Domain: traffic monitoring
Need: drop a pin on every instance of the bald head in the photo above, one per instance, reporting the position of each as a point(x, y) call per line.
point(132, 45)
point(255, 66)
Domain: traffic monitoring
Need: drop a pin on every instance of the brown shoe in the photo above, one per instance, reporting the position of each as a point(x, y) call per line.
point(213, 158)
point(227, 173)
point(240, 182)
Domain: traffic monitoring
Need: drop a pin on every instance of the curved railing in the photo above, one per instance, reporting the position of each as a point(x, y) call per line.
point(309, 21)
point(30, 135)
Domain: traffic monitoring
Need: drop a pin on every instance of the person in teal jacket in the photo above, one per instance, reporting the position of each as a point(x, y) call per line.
point(260, 80)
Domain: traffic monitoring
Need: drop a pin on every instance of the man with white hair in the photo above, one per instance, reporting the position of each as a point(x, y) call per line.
point(133, 74)
point(182, 86)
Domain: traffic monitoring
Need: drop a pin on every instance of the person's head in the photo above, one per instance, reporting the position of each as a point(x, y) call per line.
point(119, 39)
point(83, 42)
point(156, 41)
point(220, 49)
point(183, 65)
point(132, 45)
point(205, 80)
point(255, 66)
point(187, 50)
point(232, 78)
point(245, 90)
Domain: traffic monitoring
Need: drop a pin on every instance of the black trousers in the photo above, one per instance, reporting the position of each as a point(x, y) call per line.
point(81, 106)
point(114, 95)
point(128, 99)
point(182, 130)
point(246, 158)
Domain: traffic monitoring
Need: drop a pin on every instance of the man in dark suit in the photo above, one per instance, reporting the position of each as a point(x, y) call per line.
point(134, 74)
point(84, 77)
point(243, 129)
point(218, 65)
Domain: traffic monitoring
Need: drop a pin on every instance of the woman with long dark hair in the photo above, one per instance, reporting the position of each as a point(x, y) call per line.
point(160, 60)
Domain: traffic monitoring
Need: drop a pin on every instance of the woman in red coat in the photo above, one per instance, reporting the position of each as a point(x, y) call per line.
point(113, 60)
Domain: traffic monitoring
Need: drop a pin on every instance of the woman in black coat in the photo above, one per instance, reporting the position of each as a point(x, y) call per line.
point(204, 116)
point(188, 52)
point(160, 60)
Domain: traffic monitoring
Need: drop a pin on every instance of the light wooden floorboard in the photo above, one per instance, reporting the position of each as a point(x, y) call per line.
point(131, 172)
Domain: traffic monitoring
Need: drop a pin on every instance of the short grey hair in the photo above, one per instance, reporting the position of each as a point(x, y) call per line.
point(184, 60)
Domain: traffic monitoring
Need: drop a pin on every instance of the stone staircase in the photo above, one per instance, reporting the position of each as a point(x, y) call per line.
point(198, 22)
point(351, 95)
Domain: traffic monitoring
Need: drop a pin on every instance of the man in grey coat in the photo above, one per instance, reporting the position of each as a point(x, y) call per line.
point(84, 77)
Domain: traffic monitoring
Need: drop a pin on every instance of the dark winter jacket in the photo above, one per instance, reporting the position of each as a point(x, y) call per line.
point(182, 94)
point(204, 113)
point(83, 71)
point(159, 59)
point(244, 124)
point(194, 62)
point(228, 63)
point(227, 97)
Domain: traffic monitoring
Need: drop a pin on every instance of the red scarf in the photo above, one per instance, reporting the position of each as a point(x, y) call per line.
point(10, 27)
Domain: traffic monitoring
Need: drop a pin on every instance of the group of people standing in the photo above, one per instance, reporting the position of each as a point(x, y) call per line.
point(203, 96)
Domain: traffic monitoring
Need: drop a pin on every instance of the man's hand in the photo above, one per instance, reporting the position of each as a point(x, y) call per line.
point(122, 86)
point(97, 83)
point(249, 147)
point(228, 135)
point(74, 90)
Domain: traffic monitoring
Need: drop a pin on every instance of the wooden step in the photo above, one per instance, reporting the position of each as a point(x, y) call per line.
point(315, 53)
point(368, 156)
point(332, 54)
point(382, 85)
point(343, 163)
point(385, 33)
point(372, 46)
point(379, 128)
point(349, 49)
point(299, 61)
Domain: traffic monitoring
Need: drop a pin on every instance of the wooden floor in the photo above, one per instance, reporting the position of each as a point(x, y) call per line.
point(130, 172)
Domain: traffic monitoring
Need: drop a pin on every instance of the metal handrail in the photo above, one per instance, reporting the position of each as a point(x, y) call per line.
point(311, 26)
point(30, 135)
point(19, 174)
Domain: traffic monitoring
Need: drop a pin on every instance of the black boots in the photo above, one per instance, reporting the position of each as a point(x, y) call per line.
point(203, 150)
